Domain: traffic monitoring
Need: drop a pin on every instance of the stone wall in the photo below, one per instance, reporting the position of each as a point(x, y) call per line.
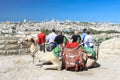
point(9, 46)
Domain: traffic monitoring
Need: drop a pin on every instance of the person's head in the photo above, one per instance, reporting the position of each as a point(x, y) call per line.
point(88, 32)
point(84, 30)
point(41, 30)
point(76, 32)
point(60, 33)
point(53, 30)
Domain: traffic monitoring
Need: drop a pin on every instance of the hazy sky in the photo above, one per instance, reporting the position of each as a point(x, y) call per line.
point(75, 10)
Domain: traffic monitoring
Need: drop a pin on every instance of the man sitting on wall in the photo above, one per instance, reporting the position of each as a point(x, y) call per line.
point(50, 39)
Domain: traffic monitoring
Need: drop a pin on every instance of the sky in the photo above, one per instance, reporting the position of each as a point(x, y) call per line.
point(74, 10)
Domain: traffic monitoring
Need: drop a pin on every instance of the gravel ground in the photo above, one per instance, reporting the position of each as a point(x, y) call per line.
point(20, 67)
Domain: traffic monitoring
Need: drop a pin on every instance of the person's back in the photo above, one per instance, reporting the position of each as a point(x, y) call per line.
point(50, 39)
point(76, 37)
point(83, 34)
point(59, 38)
point(41, 39)
point(88, 40)
point(74, 40)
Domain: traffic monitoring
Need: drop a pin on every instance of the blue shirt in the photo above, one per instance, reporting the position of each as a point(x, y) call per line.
point(83, 36)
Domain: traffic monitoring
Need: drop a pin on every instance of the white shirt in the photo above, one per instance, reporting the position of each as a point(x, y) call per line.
point(51, 37)
point(88, 41)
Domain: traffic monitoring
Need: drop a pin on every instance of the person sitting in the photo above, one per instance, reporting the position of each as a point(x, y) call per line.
point(75, 40)
point(59, 38)
point(89, 51)
point(60, 41)
point(88, 41)
point(76, 37)
point(50, 39)
point(83, 35)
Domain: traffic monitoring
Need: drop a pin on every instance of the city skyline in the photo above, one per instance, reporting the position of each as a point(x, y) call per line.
point(74, 10)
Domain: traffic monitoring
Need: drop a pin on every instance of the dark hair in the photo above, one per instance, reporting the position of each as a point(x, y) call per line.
point(32, 40)
point(60, 33)
point(84, 30)
point(53, 30)
point(88, 32)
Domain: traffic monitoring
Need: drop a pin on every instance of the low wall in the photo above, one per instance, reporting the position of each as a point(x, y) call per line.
point(110, 47)
point(9, 46)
